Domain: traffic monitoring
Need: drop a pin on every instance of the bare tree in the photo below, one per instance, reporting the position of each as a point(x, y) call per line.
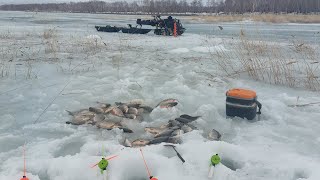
point(174, 6)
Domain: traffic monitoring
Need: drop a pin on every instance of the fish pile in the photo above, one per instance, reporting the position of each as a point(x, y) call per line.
point(170, 132)
point(108, 116)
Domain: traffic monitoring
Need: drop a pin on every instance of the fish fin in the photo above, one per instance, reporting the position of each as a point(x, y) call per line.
point(190, 117)
point(91, 123)
point(70, 113)
point(173, 104)
point(127, 130)
point(119, 103)
point(192, 126)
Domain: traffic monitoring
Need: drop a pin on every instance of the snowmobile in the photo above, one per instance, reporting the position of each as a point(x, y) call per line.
point(165, 27)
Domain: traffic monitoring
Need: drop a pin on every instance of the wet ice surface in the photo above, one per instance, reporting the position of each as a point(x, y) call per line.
point(92, 66)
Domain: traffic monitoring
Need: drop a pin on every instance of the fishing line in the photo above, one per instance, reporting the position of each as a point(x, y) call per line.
point(56, 95)
point(24, 177)
point(14, 89)
point(24, 160)
point(51, 102)
point(145, 163)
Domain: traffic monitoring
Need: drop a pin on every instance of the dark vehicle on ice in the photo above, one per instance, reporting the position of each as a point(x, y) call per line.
point(165, 27)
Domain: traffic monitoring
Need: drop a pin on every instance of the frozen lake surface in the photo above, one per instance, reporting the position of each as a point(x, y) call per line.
point(61, 59)
point(84, 22)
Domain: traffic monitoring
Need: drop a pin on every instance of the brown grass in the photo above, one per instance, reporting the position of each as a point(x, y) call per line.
point(296, 65)
point(50, 33)
point(270, 18)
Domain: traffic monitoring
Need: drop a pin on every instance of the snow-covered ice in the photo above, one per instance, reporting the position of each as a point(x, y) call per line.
point(79, 66)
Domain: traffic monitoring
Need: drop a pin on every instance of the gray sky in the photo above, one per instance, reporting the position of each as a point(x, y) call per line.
point(58, 1)
point(35, 1)
point(49, 1)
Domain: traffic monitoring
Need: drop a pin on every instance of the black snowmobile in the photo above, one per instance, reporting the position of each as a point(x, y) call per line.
point(165, 27)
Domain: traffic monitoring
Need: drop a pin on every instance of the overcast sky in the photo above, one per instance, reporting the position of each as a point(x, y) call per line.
point(50, 1)
point(35, 1)
point(58, 1)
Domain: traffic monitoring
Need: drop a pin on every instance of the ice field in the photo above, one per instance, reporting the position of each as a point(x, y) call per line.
point(51, 63)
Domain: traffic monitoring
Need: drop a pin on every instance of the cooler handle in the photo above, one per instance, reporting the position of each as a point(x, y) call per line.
point(259, 106)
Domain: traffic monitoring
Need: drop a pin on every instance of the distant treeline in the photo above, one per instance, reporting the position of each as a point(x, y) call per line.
point(174, 6)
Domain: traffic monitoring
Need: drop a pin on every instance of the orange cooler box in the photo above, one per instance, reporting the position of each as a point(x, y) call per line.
point(242, 103)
